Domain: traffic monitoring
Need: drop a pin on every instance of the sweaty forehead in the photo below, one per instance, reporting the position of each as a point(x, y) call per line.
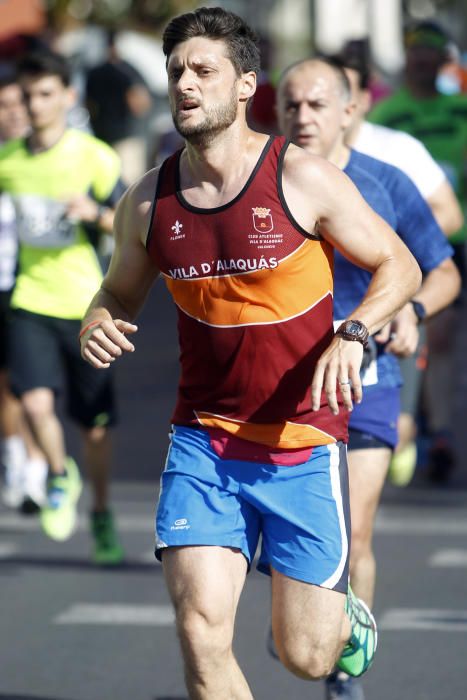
point(199, 51)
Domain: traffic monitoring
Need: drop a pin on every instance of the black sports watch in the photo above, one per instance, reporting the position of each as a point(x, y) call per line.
point(354, 330)
point(419, 310)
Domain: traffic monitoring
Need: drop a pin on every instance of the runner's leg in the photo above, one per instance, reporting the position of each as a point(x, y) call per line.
point(97, 449)
point(309, 626)
point(367, 472)
point(39, 408)
point(205, 584)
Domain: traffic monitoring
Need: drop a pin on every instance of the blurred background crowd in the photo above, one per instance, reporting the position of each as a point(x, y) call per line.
point(127, 34)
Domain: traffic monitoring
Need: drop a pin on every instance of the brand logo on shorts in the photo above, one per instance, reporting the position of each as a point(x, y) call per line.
point(180, 524)
point(262, 219)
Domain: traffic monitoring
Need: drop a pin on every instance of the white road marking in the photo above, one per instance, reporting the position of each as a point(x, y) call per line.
point(455, 558)
point(111, 614)
point(124, 523)
point(424, 619)
point(387, 523)
point(393, 525)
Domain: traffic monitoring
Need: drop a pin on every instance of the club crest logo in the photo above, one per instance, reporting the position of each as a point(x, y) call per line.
point(262, 219)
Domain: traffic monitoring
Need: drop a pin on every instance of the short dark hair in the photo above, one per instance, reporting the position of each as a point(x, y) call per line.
point(355, 55)
point(216, 23)
point(342, 79)
point(8, 75)
point(41, 63)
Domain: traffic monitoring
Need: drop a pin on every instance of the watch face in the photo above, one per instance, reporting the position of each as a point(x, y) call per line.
point(354, 328)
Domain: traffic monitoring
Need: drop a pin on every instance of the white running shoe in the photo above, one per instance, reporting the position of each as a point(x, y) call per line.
point(13, 457)
point(12, 491)
point(34, 486)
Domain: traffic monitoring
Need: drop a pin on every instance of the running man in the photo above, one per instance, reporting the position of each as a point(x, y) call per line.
point(25, 469)
point(242, 227)
point(410, 155)
point(314, 110)
point(61, 182)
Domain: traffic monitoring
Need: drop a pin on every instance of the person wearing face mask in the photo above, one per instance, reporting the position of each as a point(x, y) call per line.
point(440, 122)
point(410, 155)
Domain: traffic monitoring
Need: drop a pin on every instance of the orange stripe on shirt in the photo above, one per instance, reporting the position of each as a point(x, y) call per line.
point(264, 296)
point(286, 435)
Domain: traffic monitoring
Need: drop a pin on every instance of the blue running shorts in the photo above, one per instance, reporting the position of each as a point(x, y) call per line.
point(301, 511)
point(375, 417)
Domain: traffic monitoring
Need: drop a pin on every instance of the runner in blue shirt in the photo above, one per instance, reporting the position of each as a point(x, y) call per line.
point(314, 109)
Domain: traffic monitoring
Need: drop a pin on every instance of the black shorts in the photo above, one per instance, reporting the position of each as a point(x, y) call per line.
point(366, 441)
point(4, 327)
point(44, 352)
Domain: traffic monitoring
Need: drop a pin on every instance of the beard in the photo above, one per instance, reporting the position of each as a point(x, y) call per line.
point(216, 120)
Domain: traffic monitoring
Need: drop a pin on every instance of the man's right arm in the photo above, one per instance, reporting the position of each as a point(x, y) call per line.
point(315, 190)
point(129, 278)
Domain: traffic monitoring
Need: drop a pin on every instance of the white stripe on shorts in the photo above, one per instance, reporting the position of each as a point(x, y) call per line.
point(160, 544)
point(334, 451)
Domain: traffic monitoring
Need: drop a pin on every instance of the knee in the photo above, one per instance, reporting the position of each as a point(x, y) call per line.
point(96, 435)
point(38, 404)
point(206, 638)
point(308, 661)
point(361, 541)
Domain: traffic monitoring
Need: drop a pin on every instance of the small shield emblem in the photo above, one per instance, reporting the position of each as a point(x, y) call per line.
point(262, 219)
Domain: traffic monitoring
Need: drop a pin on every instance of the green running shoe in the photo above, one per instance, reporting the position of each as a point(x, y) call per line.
point(59, 515)
point(360, 650)
point(107, 549)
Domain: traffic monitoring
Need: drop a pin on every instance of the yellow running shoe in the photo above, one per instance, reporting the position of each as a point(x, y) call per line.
point(59, 515)
point(402, 466)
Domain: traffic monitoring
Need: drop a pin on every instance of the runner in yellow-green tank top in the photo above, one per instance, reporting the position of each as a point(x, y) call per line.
point(59, 270)
point(63, 183)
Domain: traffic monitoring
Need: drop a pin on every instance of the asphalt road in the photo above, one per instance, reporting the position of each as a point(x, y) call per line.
point(72, 631)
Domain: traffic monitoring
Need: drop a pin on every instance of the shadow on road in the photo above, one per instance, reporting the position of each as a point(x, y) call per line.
point(132, 567)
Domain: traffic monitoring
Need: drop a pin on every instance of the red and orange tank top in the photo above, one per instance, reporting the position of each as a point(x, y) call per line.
point(254, 297)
